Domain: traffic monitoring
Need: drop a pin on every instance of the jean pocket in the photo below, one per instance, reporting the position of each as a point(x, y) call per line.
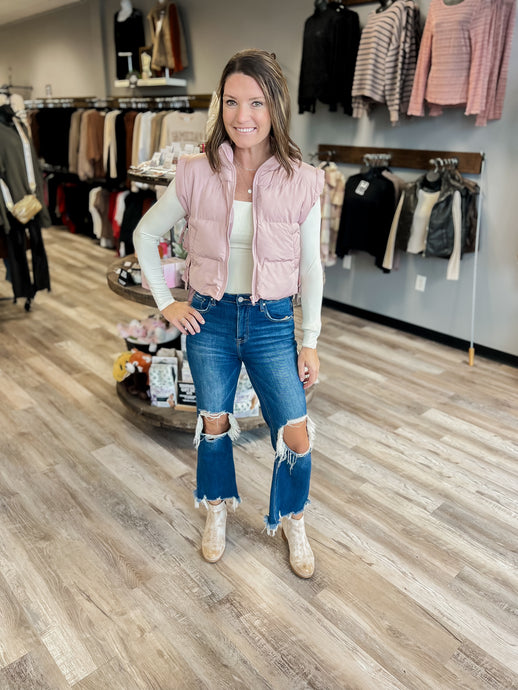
point(278, 310)
point(202, 303)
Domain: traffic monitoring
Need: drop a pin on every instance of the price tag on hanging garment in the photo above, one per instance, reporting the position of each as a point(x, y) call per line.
point(362, 187)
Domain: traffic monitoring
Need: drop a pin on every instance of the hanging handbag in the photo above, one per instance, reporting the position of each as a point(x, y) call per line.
point(27, 207)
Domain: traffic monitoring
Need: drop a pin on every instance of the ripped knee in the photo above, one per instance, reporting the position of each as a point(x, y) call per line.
point(295, 438)
point(213, 425)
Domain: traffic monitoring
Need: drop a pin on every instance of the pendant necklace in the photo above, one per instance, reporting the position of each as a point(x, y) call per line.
point(249, 189)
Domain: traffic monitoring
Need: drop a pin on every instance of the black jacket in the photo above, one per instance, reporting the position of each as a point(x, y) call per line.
point(330, 46)
point(367, 212)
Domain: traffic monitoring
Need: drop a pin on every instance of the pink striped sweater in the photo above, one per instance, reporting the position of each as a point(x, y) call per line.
point(463, 58)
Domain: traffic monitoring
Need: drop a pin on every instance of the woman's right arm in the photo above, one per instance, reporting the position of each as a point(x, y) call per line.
point(153, 226)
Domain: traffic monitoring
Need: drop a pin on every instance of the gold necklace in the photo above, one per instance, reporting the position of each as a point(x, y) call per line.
point(243, 167)
point(249, 188)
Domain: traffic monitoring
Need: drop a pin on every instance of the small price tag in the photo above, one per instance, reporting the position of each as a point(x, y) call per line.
point(362, 187)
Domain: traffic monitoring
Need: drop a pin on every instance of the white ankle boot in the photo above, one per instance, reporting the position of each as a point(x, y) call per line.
point(213, 542)
point(302, 560)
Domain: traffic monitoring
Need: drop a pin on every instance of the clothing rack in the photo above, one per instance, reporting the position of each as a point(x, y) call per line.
point(376, 160)
point(417, 159)
point(439, 164)
point(414, 159)
point(361, 2)
point(199, 101)
point(6, 88)
point(357, 2)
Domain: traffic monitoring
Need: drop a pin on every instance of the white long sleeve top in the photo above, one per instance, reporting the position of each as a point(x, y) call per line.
point(168, 210)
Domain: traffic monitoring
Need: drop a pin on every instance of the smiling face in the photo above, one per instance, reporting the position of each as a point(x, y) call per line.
point(245, 113)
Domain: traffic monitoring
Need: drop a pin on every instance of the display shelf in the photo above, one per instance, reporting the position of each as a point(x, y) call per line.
point(149, 179)
point(184, 420)
point(135, 293)
point(154, 81)
point(168, 417)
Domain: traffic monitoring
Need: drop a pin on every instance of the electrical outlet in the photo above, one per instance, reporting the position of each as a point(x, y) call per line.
point(420, 283)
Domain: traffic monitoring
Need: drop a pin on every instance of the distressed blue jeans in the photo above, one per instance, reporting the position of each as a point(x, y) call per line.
point(262, 337)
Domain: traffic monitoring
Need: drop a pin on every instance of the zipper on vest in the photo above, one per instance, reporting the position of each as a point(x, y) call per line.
point(254, 241)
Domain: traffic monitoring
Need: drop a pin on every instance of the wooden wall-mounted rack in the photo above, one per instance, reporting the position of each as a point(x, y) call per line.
point(414, 159)
point(418, 159)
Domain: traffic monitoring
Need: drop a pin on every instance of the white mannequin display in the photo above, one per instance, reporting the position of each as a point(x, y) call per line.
point(125, 10)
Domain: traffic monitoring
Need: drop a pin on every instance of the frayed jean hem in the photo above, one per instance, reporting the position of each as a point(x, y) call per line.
point(272, 527)
point(231, 501)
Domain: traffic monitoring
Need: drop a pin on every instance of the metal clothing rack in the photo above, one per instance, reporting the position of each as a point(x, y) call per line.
point(360, 2)
point(419, 159)
point(197, 101)
point(6, 88)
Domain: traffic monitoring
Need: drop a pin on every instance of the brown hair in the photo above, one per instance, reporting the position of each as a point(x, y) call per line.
point(264, 68)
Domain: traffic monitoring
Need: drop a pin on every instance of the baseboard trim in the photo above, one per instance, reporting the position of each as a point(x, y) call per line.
point(459, 343)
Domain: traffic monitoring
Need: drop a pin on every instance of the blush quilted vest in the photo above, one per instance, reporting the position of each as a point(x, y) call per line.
point(280, 205)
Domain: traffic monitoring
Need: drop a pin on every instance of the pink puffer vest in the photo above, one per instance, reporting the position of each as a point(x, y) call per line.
point(280, 205)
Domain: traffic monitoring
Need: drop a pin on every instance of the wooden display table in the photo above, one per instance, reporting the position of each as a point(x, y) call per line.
point(184, 420)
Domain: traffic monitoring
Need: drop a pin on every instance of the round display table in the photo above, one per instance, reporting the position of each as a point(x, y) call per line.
point(158, 416)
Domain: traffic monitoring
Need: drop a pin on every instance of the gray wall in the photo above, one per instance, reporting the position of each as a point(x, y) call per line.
point(73, 50)
point(62, 48)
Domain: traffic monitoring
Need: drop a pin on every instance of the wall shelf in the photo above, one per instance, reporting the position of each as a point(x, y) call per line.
point(154, 81)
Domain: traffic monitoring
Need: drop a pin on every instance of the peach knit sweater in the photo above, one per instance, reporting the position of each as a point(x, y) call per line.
point(463, 58)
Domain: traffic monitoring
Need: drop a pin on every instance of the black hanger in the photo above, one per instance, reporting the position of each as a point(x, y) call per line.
point(384, 5)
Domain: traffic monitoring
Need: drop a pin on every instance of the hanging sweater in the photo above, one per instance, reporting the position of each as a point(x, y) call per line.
point(330, 45)
point(455, 57)
point(386, 60)
point(502, 27)
point(167, 36)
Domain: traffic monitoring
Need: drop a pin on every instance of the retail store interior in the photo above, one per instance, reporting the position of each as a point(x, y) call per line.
point(414, 488)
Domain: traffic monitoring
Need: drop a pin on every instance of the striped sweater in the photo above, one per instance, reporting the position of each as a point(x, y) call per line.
point(386, 59)
point(463, 59)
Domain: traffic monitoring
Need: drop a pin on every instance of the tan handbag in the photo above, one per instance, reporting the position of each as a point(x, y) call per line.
point(27, 207)
point(22, 210)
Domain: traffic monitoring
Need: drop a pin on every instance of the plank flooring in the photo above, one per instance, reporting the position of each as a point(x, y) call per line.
point(413, 520)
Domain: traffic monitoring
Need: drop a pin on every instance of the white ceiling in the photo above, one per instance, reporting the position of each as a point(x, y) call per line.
point(15, 10)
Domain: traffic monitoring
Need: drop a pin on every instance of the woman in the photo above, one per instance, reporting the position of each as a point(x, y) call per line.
point(253, 212)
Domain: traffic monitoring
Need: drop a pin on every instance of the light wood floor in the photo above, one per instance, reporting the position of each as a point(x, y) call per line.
point(413, 517)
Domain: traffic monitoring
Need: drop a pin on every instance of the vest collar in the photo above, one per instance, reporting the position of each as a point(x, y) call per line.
point(263, 174)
